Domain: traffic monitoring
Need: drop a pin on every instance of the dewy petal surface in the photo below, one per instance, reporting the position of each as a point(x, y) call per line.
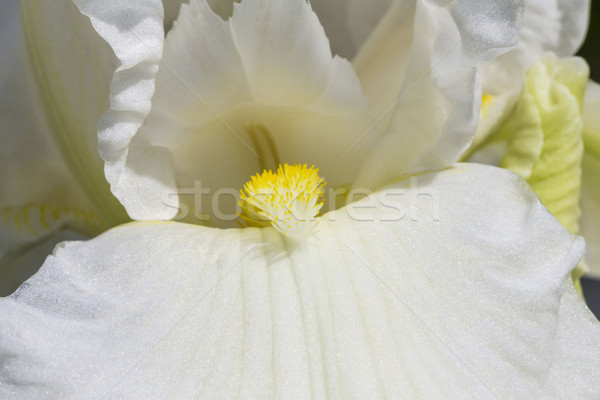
point(435, 110)
point(469, 298)
point(558, 26)
point(269, 65)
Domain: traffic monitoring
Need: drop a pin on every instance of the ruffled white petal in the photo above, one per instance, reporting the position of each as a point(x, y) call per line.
point(435, 110)
point(558, 26)
point(468, 299)
point(135, 33)
point(269, 65)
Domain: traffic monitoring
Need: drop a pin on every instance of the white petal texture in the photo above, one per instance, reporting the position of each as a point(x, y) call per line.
point(135, 33)
point(471, 300)
point(268, 66)
point(590, 187)
point(558, 26)
point(432, 95)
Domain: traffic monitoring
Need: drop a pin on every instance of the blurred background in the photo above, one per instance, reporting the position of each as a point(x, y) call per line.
point(591, 52)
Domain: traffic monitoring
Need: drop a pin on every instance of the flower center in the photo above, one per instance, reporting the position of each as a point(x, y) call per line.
point(288, 199)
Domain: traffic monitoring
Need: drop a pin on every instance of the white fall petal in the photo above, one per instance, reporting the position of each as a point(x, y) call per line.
point(470, 300)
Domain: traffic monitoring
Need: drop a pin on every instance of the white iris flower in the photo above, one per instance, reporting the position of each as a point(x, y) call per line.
point(448, 281)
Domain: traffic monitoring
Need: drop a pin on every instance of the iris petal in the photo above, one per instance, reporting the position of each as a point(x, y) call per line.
point(469, 299)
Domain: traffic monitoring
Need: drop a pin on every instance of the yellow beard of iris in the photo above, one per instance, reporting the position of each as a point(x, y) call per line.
point(288, 199)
